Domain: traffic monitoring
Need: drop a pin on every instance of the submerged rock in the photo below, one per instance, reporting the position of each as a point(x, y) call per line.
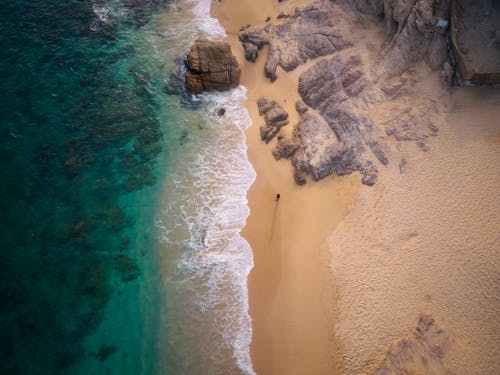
point(105, 351)
point(211, 67)
point(126, 268)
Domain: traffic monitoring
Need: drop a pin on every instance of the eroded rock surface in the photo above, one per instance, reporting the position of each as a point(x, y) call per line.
point(411, 31)
point(339, 89)
point(211, 67)
point(308, 33)
point(333, 86)
point(355, 109)
point(275, 117)
point(421, 354)
point(315, 150)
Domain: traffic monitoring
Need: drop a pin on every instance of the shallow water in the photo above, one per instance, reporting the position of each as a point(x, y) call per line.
point(204, 260)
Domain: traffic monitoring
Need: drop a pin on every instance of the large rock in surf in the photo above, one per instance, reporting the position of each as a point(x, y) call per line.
point(211, 67)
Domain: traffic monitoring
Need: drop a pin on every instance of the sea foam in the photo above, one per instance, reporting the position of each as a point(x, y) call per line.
point(204, 212)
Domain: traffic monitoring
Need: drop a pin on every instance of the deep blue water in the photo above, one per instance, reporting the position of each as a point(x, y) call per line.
point(81, 150)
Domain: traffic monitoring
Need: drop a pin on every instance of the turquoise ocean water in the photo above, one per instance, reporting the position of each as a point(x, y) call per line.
point(122, 201)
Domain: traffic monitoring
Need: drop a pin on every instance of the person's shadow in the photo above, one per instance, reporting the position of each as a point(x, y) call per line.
point(273, 222)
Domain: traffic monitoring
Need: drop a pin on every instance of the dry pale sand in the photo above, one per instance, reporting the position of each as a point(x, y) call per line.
point(427, 240)
point(291, 298)
point(342, 270)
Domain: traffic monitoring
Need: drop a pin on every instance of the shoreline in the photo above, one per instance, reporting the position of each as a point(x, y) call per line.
point(291, 296)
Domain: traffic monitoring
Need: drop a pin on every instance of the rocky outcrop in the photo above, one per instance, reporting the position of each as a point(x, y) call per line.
point(332, 87)
point(315, 150)
point(211, 67)
point(353, 108)
point(421, 354)
point(307, 34)
point(412, 31)
point(416, 122)
point(413, 34)
point(275, 117)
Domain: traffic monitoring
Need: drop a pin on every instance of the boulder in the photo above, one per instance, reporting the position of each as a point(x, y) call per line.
point(275, 117)
point(285, 147)
point(211, 67)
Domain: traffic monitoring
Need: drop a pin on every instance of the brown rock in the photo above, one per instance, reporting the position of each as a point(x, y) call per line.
point(301, 107)
point(211, 67)
point(286, 147)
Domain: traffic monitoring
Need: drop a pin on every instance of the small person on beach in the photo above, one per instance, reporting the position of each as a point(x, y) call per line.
point(278, 197)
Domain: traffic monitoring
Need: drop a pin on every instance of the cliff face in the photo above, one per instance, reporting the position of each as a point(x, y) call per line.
point(475, 36)
point(358, 101)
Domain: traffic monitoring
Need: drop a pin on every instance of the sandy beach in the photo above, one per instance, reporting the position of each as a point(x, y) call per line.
point(291, 298)
point(327, 256)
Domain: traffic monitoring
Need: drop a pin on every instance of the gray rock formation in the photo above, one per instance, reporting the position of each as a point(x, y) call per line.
point(315, 150)
point(211, 67)
point(305, 35)
point(421, 354)
point(412, 31)
point(352, 112)
point(332, 86)
point(275, 117)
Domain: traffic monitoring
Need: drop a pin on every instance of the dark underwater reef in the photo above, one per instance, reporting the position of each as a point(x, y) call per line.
point(78, 136)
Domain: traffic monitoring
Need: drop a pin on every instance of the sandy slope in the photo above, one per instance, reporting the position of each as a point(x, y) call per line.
point(427, 240)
